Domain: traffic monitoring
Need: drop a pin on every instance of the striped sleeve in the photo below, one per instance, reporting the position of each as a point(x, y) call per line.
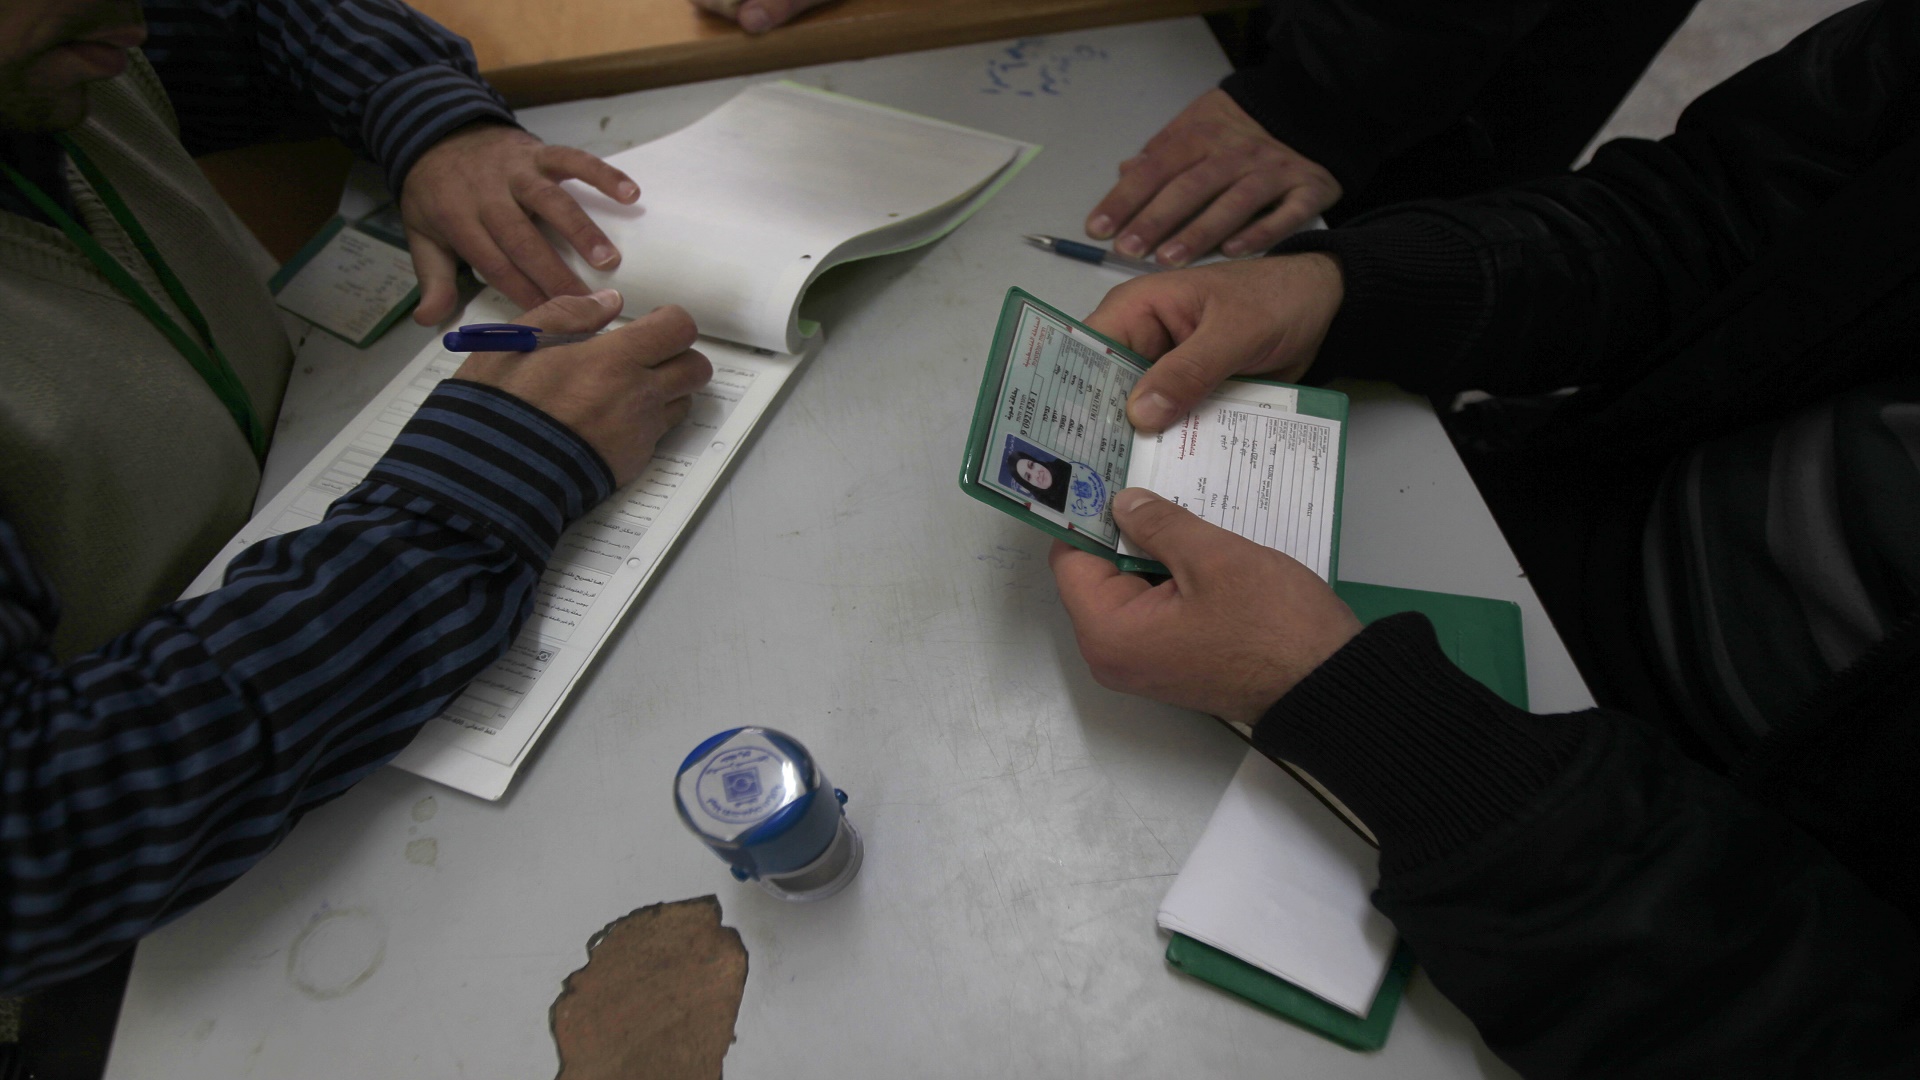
point(138, 780)
point(384, 78)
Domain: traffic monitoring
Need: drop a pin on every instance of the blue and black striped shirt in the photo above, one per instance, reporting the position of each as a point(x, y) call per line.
point(139, 779)
point(385, 79)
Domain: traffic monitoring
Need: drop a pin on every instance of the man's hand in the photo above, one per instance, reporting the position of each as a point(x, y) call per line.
point(1259, 317)
point(757, 16)
point(620, 392)
point(1217, 166)
point(474, 195)
point(1234, 629)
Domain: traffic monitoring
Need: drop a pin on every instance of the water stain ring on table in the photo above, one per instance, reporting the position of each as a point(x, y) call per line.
point(338, 949)
point(424, 851)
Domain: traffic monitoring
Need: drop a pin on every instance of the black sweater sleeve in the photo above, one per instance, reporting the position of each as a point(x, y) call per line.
point(1351, 83)
point(1597, 904)
point(1575, 279)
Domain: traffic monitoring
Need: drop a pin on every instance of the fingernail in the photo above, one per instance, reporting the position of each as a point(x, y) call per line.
point(1174, 255)
point(602, 254)
point(1131, 499)
point(1233, 248)
point(755, 20)
point(1132, 246)
point(1156, 408)
point(628, 190)
point(606, 298)
point(1100, 227)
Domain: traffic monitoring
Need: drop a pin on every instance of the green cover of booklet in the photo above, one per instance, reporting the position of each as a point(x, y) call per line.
point(1050, 444)
point(1482, 638)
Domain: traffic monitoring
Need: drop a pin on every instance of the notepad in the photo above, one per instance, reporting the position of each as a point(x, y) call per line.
point(1277, 892)
point(740, 212)
point(1283, 884)
point(1050, 444)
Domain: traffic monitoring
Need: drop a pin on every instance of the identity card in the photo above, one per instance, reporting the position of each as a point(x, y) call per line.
point(1050, 444)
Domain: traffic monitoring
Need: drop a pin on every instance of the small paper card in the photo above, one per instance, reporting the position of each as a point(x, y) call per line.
point(1050, 443)
point(353, 280)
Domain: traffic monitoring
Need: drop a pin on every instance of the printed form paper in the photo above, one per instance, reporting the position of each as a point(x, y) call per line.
point(598, 568)
point(1245, 461)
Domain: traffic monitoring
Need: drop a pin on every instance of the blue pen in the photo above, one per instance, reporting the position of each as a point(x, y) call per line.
point(1092, 254)
point(506, 337)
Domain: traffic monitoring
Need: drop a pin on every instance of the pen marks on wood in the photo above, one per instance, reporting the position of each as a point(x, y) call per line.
point(336, 951)
point(1032, 67)
point(657, 997)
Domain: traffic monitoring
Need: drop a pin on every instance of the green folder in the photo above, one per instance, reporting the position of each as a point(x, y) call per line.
point(1482, 638)
point(383, 225)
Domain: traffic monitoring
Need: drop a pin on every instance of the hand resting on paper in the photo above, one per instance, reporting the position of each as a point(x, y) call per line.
point(1234, 629)
point(474, 195)
point(1259, 317)
point(757, 16)
point(1213, 174)
point(620, 392)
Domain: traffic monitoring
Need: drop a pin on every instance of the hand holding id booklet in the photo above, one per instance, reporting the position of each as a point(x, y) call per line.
point(1051, 444)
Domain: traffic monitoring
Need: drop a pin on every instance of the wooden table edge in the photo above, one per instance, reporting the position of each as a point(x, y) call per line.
point(810, 42)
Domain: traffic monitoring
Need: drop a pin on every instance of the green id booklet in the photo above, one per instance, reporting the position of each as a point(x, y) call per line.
point(1050, 444)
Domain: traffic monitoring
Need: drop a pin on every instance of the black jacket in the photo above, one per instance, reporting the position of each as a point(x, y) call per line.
point(1596, 901)
point(1405, 99)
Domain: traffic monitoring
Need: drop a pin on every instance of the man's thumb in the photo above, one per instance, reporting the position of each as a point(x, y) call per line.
point(1175, 384)
point(1163, 529)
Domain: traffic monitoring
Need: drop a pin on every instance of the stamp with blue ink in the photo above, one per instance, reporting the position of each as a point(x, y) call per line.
point(1088, 493)
point(741, 786)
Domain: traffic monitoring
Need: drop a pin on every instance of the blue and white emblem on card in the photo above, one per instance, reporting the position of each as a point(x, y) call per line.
point(1088, 492)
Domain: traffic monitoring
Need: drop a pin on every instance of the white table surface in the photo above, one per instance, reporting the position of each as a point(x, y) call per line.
point(1021, 823)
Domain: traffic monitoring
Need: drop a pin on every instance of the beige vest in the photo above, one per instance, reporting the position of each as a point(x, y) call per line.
point(120, 468)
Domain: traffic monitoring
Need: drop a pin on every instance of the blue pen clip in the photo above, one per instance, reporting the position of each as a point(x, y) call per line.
point(505, 337)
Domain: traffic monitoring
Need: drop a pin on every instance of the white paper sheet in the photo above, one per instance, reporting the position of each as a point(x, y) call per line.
point(739, 211)
point(1254, 468)
point(1280, 882)
point(1246, 461)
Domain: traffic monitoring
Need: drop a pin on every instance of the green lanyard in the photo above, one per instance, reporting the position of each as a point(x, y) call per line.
point(201, 352)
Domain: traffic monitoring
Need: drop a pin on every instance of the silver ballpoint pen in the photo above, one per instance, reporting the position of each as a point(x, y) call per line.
point(1089, 253)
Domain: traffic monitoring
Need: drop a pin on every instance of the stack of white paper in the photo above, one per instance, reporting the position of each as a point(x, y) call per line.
point(1281, 882)
point(742, 210)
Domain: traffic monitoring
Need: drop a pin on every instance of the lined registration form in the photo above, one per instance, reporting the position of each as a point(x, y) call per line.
point(1245, 461)
point(598, 569)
